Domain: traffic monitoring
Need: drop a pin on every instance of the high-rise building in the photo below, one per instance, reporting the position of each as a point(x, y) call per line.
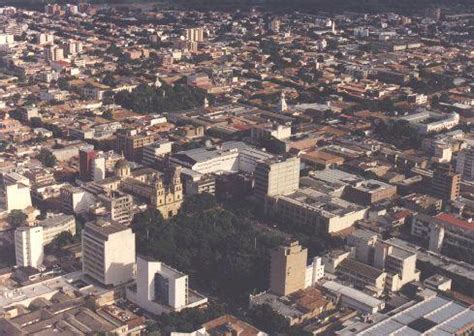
point(87, 155)
point(446, 183)
point(17, 191)
point(276, 177)
point(288, 269)
point(282, 105)
point(194, 34)
point(465, 163)
point(53, 53)
point(275, 25)
point(108, 252)
point(29, 246)
point(45, 38)
point(131, 144)
point(98, 167)
point(30, 240)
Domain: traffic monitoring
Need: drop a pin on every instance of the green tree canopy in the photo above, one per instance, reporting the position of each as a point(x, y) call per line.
point(47, 158)
point(16, 218)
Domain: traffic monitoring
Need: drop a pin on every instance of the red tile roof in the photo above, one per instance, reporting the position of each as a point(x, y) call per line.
point(450, 219)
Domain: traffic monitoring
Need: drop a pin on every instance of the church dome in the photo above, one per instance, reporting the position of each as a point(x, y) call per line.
point(122, 163)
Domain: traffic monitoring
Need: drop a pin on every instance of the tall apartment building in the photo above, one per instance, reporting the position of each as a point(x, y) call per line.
point(194, 34)
point(288, 269)
point(131, 144)
point(87, 155)
point(29, 246)
point(53, 53)
point(161, 289)
point(446, 183)
point(108, 252)
point(6, 39)
point(465, 163)
point(274, 25)
point(45, 38)
point(276, 177)
point(17, 191)
point(30, 240)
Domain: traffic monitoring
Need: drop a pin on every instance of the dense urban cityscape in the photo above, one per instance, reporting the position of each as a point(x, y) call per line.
point(190, 169)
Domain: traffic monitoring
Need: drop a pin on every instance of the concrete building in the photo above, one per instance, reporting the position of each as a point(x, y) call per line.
point(369, 192)
point(45, 38)
point(30, 240)
point(445, 232)
point(430, 314)
point(446, 183)
point(161, 289)
point(276, 176)
point(29, 246)
point(398, 263)
point(17, 196)
point(119, 205)
point(154, 152)
point(131, 144)
point(231, 156)
point(76, 200)
point(429, 122)
point(465, 163)
point(195, 183)
point(53, 226)
point(362, 276)
point(87, 155)
point(352, 298)
point(277, 131)
point(320, 211)
point(108, 252)
point(314, 272)
point(288, 269)
point(224, 325)
point(194, 34)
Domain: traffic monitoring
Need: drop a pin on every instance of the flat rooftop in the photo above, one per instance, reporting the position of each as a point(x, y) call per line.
point(433, 316)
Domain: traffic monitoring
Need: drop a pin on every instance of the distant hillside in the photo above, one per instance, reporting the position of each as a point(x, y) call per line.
point(370, 6)
point(336, 6)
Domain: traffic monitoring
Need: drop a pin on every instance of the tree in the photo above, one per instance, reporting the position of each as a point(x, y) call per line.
point(265, 318)
point(61, 240)
point(36, 122)
point(187, 320)
point(16, 218)
point(107, 115)
point(63, 84)
point(47, 158)
point(222, 253)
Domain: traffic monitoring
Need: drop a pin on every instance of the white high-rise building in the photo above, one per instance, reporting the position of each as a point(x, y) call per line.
point(29, 246)
point(98, 168)
point(108, 252)
point(17, 194)
point(282, 106)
